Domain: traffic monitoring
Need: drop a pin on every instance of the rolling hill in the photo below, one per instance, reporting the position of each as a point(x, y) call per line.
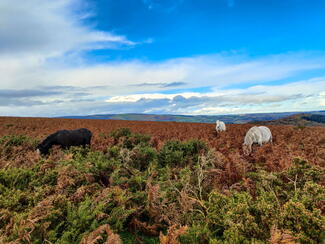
point(228, 119)
point(297, 119)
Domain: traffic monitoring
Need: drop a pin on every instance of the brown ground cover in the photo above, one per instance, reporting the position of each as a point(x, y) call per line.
point(289, 141)
point(213, 189)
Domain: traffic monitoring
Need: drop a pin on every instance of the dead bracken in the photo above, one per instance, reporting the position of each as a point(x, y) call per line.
point(151, 182)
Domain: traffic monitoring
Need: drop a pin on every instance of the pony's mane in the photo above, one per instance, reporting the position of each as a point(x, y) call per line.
point(48, 139)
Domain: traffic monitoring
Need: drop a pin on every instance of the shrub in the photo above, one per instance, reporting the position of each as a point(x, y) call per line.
point(245, 216)
point(142, 157)
point(16, 140)
point(172, 154)
point(121, 132)
point(176, 153)
point(135, 193)
point(123, 137)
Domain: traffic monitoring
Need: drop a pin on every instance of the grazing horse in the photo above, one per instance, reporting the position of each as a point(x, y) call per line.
point(220, 126)
point(66, 139)
point(260, 135)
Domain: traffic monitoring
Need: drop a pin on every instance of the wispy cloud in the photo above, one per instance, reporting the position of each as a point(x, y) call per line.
point(44, 95)
point(50, 28)
point(137, 86)
point(26, 93)
point(174, 84)
point(123, 77)
point(253, 99)
point(160, 84)
point(298, 96)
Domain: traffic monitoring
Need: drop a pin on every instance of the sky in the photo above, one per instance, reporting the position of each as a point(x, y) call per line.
point(83, 57)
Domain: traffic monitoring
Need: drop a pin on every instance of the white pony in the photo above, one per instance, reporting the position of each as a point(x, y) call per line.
point(220, 126)
point(259, 135)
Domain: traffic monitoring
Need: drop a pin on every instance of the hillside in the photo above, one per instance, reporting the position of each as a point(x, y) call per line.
point(229, 119)
point(160, 182)
point(297, 119)
point(161, 132)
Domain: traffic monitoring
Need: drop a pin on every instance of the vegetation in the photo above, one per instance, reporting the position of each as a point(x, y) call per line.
point(132, 192)
point(315, 117)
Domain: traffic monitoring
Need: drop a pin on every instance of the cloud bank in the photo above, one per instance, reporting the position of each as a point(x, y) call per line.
point(45, 73)
point(172, 86)
point(299, 96)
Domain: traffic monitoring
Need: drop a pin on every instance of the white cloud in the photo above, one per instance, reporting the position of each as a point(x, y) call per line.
point(120, 87)
point(41, 44)
point(297, 96)
point(305, 95)
point(322, 98)
point(211, 70)
point(137, 97)
point(39, 37)
point(49, 28)
point(116, 87)
point(254, 94)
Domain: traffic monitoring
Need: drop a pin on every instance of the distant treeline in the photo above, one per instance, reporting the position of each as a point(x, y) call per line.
point(228, 119)
point(315, 117)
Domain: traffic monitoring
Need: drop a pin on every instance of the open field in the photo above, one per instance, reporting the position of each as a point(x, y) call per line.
point(182, 184)
point(289, 141)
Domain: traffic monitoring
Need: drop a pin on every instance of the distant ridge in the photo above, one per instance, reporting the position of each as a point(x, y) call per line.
point(229, 119)
point(303, 119)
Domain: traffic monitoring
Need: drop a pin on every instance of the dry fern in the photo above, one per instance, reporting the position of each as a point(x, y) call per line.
point(172, 234)
point(97, 235)
point(281, 236)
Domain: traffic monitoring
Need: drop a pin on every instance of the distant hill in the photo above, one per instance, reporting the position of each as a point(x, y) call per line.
point(228, 119)
point(303, 119)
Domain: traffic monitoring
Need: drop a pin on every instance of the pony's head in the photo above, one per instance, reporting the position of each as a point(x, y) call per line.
point(40, 149)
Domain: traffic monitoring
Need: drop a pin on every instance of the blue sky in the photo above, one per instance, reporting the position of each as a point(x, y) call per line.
point(70, 57)
point(186, 27)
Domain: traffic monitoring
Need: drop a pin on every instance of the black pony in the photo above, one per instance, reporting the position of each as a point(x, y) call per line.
point(65, 138)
